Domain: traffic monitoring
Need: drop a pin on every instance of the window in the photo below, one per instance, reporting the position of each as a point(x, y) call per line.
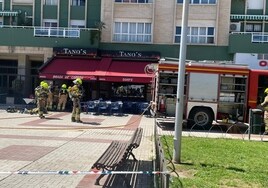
point(78, 2)
point(200, 35)
point(50, 23)
point(255, 4)
point(128, 91)
point(51, 2)
point(253, 27)
point(132, 32)
point(199, 1)
point(262, 56)
point(77, 23)
point(134, 1)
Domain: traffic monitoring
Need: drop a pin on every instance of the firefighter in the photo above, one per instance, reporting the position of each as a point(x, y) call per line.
point(36, 109)
point(50, 97)
point(41, 92)
point(264, 104)
point(121, 91)
point(63, 95)
point(76, 94)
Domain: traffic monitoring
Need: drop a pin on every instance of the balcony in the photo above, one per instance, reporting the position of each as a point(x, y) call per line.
point(248, 42)
point(49, 37)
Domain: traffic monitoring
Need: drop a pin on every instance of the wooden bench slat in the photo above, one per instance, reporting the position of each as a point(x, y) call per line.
point(117, 153)
point(112, 155)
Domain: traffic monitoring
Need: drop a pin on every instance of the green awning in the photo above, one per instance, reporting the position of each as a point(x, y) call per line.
point(8, 13)
point(248, 17)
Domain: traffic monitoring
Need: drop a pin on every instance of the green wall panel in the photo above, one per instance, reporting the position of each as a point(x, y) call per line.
point(77, 13)
point(254, 12)
point(238, 7)
point(93, 14)
point(243, 44)
point(24, 37)
point(50, 12)
point(37, 13)
point(63, 16)
point(7, 5)
point(172, 51)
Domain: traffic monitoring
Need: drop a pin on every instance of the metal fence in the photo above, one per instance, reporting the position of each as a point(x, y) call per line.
point(162, 181)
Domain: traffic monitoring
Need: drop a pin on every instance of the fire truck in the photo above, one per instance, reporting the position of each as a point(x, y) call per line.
point(212, 91)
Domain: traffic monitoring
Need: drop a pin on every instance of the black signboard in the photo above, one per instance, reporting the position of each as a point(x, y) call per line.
point(75, 51)
point(130, 54)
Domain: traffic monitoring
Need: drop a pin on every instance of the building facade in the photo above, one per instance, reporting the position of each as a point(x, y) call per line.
point(32, 32)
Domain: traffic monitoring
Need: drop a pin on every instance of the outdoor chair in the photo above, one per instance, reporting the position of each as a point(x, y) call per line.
point(91, 106)
point(103, 107)
point(116, 108)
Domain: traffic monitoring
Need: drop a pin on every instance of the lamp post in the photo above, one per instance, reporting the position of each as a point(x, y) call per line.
point(180, 86)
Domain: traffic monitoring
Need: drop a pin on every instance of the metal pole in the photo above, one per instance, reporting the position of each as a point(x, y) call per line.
point(180, 86)
point(250, 123)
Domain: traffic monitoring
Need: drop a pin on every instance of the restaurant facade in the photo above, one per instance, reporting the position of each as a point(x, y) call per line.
point(110, 75)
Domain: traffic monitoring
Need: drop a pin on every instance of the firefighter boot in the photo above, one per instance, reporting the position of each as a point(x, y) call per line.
point(73, 119)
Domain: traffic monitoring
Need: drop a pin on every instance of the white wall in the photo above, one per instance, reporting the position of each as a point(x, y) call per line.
point(251, 59)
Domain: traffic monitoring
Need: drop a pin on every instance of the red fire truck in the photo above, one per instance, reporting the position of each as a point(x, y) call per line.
point(212, 91)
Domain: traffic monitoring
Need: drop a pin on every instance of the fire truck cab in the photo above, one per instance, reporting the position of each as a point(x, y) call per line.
point(212, 91)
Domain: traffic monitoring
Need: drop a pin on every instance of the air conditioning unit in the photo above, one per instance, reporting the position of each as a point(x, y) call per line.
point(235, 26)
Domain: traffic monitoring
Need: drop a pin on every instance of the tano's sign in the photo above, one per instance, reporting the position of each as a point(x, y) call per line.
point(75, 51)
point(130, 54)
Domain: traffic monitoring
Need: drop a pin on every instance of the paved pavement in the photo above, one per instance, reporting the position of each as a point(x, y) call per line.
point(46, 146)
point(28, 143)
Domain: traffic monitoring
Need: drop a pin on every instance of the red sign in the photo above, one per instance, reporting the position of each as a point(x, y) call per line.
point(263, 63)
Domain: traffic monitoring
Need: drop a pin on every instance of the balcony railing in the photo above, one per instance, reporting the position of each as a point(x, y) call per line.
point(56, 32)
point(8, 13)
point(45, 37)
point(256, 37)
point(259, 38)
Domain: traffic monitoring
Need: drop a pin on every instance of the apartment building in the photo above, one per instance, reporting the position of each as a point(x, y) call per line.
point(31, 29)
point(107, 33)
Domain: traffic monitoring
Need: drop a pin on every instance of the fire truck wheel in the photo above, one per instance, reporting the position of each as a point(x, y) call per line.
point(200, 117)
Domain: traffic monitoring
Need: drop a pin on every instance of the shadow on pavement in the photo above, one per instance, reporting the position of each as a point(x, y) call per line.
point(134, 180)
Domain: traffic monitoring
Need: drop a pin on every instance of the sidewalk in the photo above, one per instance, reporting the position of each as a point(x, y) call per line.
point(28, 143)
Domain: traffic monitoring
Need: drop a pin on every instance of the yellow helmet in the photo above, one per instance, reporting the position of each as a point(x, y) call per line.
point(45, 85)
point(64, 86)
point(42, 82)
point(266, 90)
point(78, 81)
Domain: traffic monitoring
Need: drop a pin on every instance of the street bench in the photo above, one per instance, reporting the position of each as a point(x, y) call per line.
point(116, 155)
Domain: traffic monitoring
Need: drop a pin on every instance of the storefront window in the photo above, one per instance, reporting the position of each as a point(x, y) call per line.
point(128, 91)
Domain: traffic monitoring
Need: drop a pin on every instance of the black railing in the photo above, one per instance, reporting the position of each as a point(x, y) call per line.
point(162, 181)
